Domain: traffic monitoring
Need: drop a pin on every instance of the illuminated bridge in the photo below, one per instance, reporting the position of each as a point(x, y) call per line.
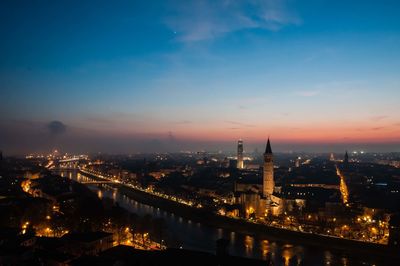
point(73, 159)
point(97, 182)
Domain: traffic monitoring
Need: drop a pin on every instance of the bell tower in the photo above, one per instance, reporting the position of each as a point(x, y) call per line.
point(268, 174)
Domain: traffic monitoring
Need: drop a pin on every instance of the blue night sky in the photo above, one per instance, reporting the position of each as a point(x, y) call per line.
point(129, 76)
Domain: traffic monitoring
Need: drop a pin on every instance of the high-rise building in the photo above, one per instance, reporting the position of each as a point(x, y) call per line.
point(240, 154)
point(268, 174)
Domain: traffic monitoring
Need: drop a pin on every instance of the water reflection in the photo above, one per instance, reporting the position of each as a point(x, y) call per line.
point(100, 194)
point(183, 232)
point(232, 238)
point(248, 243)
point(220, 233)
point(114, 195)
point(287, 254)
point(328, 258)
point(264, 248)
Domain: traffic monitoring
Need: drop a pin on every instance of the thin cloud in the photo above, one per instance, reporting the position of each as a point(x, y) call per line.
point(183, 122)
point(239, 123)
point(377, 128)
point(100, 120)
point(307, 93)
point(379, 117)
point(204, 20)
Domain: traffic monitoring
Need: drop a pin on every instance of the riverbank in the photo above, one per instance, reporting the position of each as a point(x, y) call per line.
point(237, 225)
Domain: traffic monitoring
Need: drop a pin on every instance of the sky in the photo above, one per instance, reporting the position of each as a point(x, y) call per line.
point(155, 76)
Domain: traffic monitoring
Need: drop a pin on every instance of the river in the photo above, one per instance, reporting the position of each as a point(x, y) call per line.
point(185, 233)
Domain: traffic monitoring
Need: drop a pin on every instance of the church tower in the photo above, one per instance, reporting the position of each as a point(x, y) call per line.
point(346, 158)
point(268, 174)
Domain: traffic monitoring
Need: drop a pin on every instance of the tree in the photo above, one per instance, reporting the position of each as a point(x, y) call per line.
point(159, 226)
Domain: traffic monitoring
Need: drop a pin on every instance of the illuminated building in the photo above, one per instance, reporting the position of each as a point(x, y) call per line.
point(256, 197)
point(297, 163)
point(268, 172)
point(240, 154)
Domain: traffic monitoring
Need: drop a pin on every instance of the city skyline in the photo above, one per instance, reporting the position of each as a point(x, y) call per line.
point(139, 77)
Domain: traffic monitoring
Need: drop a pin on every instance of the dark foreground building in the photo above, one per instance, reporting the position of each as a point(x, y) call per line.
point(125, 255)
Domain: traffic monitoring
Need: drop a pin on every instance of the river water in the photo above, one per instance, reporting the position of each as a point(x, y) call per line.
point(185, 233)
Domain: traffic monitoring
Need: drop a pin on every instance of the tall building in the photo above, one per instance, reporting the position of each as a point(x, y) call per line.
point(240, 154)
point(268, 174)
point(346, 158)
point(255, 198)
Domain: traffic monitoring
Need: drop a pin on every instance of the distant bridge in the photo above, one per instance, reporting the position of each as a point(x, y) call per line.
point(71, 159)
point(97, 182)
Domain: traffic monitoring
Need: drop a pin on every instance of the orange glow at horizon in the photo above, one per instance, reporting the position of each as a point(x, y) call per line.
point(309, 135)
point(279, 131)
point(295, 136)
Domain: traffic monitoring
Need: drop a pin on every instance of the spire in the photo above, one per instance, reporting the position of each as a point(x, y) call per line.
point(346, 158)
point(268, 149)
